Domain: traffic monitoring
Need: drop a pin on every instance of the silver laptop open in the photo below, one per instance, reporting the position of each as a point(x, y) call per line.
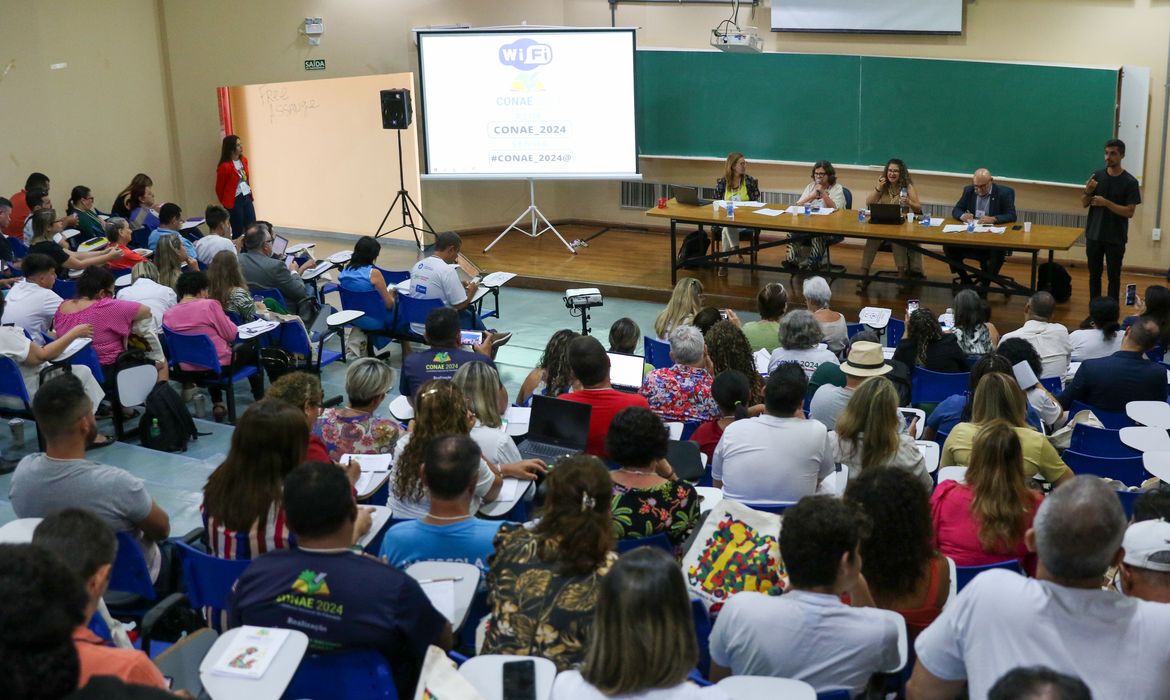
point(688, 195)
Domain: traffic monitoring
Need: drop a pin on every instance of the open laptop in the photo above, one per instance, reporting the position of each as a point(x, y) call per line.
point(688, 195)
point(279, 245)
point(886, 214)
point(626, 371)
point(556, 428)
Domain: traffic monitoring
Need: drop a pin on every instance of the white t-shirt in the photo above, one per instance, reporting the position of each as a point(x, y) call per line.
point(157, 297)
point(1119, 646)
point(1090, 343)
point(1051, 341)
point(431, 278)
point(836, 193)
point(413, 510)
point(808, 359)
point(569, 685)
point(772, 460)
point(496, 444)
point(31, 307)
point(211, 245)
point(812, 637)
point(242, 188)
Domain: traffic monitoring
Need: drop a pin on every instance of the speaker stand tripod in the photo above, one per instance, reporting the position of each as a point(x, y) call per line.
point(535, 218)
point(403, 198)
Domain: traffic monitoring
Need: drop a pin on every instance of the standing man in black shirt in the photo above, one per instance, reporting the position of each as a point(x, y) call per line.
point(1111, 195)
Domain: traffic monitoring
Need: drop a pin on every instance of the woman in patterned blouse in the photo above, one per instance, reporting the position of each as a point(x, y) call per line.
point(543, 581)
point(647, 496)
point(356, 430)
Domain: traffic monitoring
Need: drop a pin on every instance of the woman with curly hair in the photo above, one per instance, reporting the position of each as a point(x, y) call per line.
point(543, 581)
point(551, 376)
point(440, 408)
point(868, 434)
point(685, 301)
point(904, 571)
point(647, 496)
point(729, 348)
point(925, 345)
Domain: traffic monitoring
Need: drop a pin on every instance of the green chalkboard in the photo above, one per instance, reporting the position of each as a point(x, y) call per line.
point(1034, 122)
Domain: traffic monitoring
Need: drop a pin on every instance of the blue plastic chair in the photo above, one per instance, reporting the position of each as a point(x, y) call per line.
point(378, 322)
point(209, 579)
point(393, 277)
point(295, 339)
point(1113, 420)
point(936, 387)
point(270, 293)
point(658, 540)
point(12, 385)
point(1128, 470)
point(197, 349)
point(1127, 500)
point(703, 625)
point(131, 593)
point(1099, 442)
point(1156, 353)
point(1052, 384)
point(362, 674)
point(839, 694)
point(657, 352)
point(964, 574)
point(852, 329)
point(412, 315)
point(65, 288)
point(777, 508)
point(895, 329)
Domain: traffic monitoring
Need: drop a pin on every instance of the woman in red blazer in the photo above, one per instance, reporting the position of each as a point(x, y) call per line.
point(233, 186)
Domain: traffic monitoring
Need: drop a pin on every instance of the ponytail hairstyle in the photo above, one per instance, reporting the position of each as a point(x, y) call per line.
point(439, 409)
point(1105, 312)
point(732, 392)
point(576, 528)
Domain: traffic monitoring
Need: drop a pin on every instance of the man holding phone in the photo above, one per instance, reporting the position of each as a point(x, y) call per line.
point(445, 355)
point(1112, 196)
point(984, 201)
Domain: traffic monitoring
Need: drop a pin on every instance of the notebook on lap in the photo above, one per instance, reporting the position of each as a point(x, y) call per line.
point(556, 428)
point(625, 371)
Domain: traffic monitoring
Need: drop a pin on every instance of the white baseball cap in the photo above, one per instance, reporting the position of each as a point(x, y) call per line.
point(1147, 545)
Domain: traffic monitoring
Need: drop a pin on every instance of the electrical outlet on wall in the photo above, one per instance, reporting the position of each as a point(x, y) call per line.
point(1157, 234)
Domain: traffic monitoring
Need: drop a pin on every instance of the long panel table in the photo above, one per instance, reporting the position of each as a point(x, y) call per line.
point(845, 222)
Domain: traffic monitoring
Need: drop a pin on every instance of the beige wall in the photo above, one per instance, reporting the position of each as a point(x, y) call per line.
point(220, 42)
point(99, 120)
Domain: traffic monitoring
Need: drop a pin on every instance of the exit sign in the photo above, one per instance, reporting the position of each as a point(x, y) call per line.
point(315, 64)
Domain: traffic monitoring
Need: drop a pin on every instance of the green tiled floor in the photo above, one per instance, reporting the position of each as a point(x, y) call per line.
point(176, 480)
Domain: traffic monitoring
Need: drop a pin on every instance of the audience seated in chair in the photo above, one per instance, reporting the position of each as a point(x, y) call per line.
point(118, 232)
point(61, 477)
point(982, 520)
point(973, 328)
point(376, 605)
point(1040, 400)
point(445, 355)
point(682, 392)
point(904, 570)
point(141, 203)
point(869, 434)
point(361, 274)
point(42, 603)
point(800, 337)
point(771, 303)
point(356, 430)
point(303, 391)
point(84, 543)
point(998, 397)
point(808, 633)
point(644, 591)
point(170, 218)
point(262, 270)
point(31, 303)
point(731, 391)
point(648, 498)
point(776, 457)
point(1061, 619)
point(226, 284)
point(590, 367)
point(449, 531)
point(956, 408)
point(171, 260)
point(834, 329)
point(1109, 383)
point(543, 582)
point(551, 376)
point(865, 360)
point(728, 348)
point(433, 277)
point(145, 289)
point(488, 400)
point(685, 301)
point(1145, 570)
point(1050, 339)
point(111, 319)
point(1098, 335)
point(219, 235)
point(19, 203)
point(45, 226)
point(925, 345)
point(242, 502)
point(1038, 682)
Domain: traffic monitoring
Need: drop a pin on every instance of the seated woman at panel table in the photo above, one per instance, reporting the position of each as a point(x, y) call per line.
point(242, 498)
point(360, 275)
point(807, 251)
point(356, 430)
point(895, 178)
point(440, 408)
point(735, 186)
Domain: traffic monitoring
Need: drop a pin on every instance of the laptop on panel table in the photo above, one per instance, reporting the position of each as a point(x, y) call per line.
point(688, 195)
point(556, 428)
point(626, 371)
point(886, 214)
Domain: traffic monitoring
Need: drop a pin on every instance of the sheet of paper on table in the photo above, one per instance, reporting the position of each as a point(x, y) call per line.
point(442, 596)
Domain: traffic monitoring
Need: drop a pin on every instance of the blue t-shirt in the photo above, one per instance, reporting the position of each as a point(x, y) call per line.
point(160, 232)
point(356, 279)
point(341, 600)
point(949, 413)
point(418, 368)
point(468, 541)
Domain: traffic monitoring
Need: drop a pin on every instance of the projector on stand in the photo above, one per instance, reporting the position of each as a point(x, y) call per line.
point(737, 40)
point(579, 301)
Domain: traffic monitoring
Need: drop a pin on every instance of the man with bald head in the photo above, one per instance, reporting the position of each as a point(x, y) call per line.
point(985, 202)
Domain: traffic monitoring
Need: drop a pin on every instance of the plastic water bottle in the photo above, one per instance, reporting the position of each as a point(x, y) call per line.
point(155, 431)
point(202, 407)
point(861, 216)
point(807, 209)
point(925, 217)
point(730, 210)
point(970, 225)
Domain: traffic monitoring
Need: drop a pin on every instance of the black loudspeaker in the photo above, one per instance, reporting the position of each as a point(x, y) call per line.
point(396, 110)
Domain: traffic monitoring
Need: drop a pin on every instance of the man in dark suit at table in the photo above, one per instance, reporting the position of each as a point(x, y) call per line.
point(986, 202)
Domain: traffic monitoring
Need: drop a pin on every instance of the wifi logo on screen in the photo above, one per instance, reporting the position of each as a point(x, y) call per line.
point(525, 54)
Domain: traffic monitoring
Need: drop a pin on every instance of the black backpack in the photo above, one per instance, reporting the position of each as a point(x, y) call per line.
point(175, 425)
point(693, 246)
point(1054, 279)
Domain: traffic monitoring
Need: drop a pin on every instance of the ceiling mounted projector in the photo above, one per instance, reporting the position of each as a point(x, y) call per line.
point(736, 40)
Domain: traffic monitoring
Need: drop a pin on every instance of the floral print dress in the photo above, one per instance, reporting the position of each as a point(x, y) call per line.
point(671, 507)
point(360, 434)
point(537, 611)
